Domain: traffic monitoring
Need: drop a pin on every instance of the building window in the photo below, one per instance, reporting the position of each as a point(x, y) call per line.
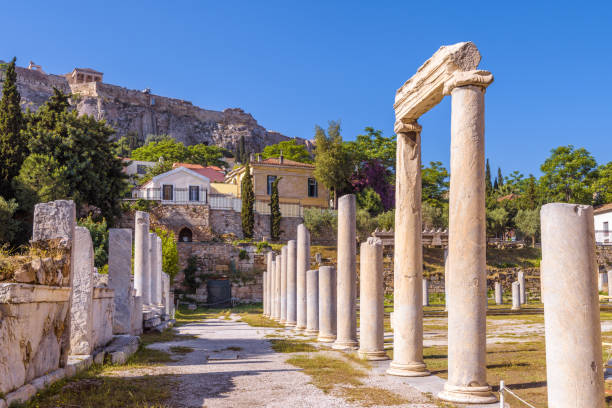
point(313, 188)
point(141, 169)
point(194, 193)
point(167, 192)
point(606, 229)
point(271, 180)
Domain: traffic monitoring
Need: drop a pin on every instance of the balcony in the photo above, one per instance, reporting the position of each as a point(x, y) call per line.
point(190, 195)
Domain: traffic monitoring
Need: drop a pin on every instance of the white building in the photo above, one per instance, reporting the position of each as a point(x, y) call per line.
point(178, 186)
point(137, 168)
point(603, 223)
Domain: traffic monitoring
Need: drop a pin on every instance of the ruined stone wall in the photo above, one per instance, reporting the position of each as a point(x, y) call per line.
point(604, 257)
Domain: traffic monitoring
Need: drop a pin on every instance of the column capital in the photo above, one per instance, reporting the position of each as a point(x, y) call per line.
point(464, 78)
point(406, 125)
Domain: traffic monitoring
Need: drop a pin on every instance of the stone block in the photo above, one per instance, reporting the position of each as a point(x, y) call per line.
point(42, 382)
point(136, 315)
point(21, 395)
point(103, 310)
point(99, 357)
point(120, 277)
point(54, 220)
point(81, 316)
point(78, 363)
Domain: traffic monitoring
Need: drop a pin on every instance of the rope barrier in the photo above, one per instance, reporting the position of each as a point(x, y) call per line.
point(502, 389)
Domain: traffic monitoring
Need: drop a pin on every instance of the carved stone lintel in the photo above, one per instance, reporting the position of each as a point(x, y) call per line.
point(405, 126)
point(464, 78)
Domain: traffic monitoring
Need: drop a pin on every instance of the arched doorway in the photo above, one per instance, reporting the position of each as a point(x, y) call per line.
point(185, 235)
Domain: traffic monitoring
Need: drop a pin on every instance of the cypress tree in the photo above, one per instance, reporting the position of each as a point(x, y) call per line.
point(488, 184)
point(247, 213)
point(500, 179)
point(495, 184)
point(275, 213)
point(13, 146)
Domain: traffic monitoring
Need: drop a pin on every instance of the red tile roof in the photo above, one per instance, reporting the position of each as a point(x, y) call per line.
point(603, 209)
point(215, 176)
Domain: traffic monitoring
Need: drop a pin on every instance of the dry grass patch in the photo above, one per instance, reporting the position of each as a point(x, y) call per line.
point(164, 337)
point(371, 396)
point(181, 349)
point(327, 372)
point(291, 346)
point(354, 357)
point(259, 321)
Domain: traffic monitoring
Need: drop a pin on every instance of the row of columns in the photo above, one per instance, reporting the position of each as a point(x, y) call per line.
point(147, 262)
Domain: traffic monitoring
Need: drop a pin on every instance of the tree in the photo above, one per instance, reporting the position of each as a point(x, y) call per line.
point(169, 252)
point(334, 162)
point(290, 149)
point(488, 184)
point(13, 145)
point(369, 200)
point(568, 175)
point(275, 213)
point(321, 222)
point(10, 226)
point(497, 219)
point(435, 184)
point(242, 154)
point(126, 144)
point(386, 220)
point(365, 224)
point(530, 198)
point(374, 146)
point(42, 178)
point(528, 222)
point(602, 187)
point(205, 155)
point(74, 157)
point(99, 238)
point(500, 178)
point(372, 174)
point(168, 149)
point(247, 214)
point(434, 216)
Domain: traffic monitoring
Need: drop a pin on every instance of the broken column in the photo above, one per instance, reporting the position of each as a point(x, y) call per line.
point(522, 292)
point(327, 304)
point(498, 293)
point(371, 301)
point(291, 283)
point(346, 330)
point(425, 292)
point(408, 268)
point(81, 296)
point(283, 291)
point(574, 362)
point(142, 257)
point(467, 373)
point(302, 265)
point(516, 295)
point(120, 277)
point(312, 302)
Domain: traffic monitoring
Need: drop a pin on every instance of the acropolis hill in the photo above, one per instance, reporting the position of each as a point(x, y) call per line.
point(129, 110)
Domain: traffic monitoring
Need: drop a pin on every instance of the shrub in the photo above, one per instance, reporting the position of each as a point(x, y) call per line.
point(319, 221)
point(243, 255)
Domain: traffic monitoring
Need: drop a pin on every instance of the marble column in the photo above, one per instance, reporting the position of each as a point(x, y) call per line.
point(574, 362)
point(610, 284)
point(302, 265)
point(600, 282)
point(160, 270)
point(264, 298)
point(522, 293)
point(371, 311)
point(425, 292)
point(327, 304)
point(154, 265)
point(277, 287)
point(446, 279)
point(142, 259)
point(408, 258)
point(283, 291)
point(291, 283)
point(346, 294)
point(516, 295)
point(498, 293)
point(120, 277)
point(312, 302)
point(269, 277)
point(467, 373)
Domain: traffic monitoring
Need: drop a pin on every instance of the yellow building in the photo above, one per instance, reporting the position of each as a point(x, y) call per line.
point(297, 187)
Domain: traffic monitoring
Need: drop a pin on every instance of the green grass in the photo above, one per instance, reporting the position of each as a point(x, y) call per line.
point(327, 372)
point(291, 346)
point(163, 337)
point(181, 350)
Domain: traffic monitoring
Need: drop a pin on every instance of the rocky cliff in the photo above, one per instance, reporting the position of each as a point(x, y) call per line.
point(145, 113)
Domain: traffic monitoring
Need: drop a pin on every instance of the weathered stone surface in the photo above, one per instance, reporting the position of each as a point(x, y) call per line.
point(120, 277)
point(283, 287)
point(21, 395)
point(291, 283)
point(103, 310)
point(142, 259)
point(574, 362)
point(33, 322)
point(122, 347)
point(327, 304)
point(54, 220)
point(136, 327)
point(302, 265)
point(81, 297)
point(77, 364)
point(41, 382)
point(516, 295)
point(312, 302)
point(155, 265)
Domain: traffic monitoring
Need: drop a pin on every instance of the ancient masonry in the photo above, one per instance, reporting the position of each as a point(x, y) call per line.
point(144, 113)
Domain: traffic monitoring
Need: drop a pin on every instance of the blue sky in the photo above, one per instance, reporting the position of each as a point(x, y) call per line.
point(297, 64)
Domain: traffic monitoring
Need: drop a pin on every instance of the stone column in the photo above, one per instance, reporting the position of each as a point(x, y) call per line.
point(302, 265)
point(425, 292)
point(498, 293)
point(610, 284)
point(574, 362)
point(283, 290)
point(154, 270)
point(168, 300)
point(446, 279)
point(141, 257)
point(81, 295)
point(327, 304)
point(269, 275)
point(346, 278)
point(160, 270)
point(120, 277)
point(312, 302)
point(277, 287)
point(516, 295)
point(408, 259)
point(264, 299)
point(291, 283)
point(371, 316)
point(467, 373)
point(522, 293)
point(600, 282)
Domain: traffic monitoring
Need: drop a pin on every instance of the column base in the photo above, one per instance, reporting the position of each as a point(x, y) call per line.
point(408, 370)
point(515, 308)
point(345, 345)
point(290, 324)
point(326, 339)
point(373, 355)
point(311, 332)
point(467, 395)
point(282, 321)
point(299, 329)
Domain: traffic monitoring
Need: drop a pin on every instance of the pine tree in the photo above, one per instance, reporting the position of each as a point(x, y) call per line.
point(488, 184)
point(500, 179)
point(275, 213)
point(13, 146)
point(495, 184)
point(247, 213)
